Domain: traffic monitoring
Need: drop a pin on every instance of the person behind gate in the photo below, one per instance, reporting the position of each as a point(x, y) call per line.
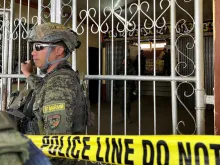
point(130, 90)
point(58, 100)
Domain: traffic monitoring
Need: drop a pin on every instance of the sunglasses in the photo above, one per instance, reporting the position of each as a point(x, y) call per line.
point(41, 46)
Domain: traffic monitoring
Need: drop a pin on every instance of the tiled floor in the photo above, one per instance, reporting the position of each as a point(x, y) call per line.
point(163, 118)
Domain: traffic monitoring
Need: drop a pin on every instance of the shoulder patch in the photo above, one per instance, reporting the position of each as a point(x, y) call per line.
point(54, 121)
point(54, 107)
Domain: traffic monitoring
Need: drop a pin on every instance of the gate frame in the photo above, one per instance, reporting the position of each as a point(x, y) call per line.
point(5, 51)
point(199, 61)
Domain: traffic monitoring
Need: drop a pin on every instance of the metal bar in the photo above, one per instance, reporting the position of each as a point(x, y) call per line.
point(12, 76)
point(173, 65)
point(87, 49)
point(112, 82)
point(6, 44)
point(87, 37)
point(199, 92)
point(4, 61)
point(3, 88)
point(3, 40)
point(74, 23)
point(28, 24)
point(39, 11)
point(6, 9)
point(136, 78)
point(53, 11)
point(112, 99)
point(99, 90)
point(139, 70)
point(125, 81)
point(19, 45)
point(10, 47)
point(28, 28)
point(58, 13)
point(119, 77)
point(154, 83)
point(39, 20)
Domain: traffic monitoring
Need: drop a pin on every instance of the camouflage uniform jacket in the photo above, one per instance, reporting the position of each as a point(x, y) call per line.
point(59, 101)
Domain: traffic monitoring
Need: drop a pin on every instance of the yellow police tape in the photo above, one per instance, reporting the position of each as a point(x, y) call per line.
point(138, 150)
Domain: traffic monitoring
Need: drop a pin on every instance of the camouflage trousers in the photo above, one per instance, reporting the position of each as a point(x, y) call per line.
point(128, 101)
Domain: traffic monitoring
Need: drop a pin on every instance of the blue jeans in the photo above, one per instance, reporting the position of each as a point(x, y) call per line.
point(36, 156)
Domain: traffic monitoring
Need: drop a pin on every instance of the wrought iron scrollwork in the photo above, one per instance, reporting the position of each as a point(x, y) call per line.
point(185, 33)
point(158, 22)
point(65, 15)
point(161, 15)
point(185, 61)
point(181, 102)
point(45, 11)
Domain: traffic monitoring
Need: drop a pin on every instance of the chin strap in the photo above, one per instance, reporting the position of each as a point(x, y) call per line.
point(44, 68)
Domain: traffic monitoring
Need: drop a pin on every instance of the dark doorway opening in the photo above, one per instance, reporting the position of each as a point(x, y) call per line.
point(93, 70)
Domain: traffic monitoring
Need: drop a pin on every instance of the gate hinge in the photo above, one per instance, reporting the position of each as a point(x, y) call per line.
point(209, 99)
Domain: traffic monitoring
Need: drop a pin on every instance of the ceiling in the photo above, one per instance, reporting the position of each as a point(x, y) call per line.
point(161, 5)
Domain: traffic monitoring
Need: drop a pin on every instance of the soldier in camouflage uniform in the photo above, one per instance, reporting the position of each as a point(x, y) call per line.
point(58, 97)
point(131, 88)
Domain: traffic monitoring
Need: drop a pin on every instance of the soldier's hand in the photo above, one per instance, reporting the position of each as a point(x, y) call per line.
point(26, 68)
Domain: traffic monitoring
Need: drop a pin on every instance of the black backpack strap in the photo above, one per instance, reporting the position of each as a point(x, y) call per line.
point(28, 107)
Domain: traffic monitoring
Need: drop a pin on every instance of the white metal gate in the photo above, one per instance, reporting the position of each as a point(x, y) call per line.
point(94, 19)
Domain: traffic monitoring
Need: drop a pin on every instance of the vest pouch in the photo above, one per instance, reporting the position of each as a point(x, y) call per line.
point(18, 111)
point(19, 98)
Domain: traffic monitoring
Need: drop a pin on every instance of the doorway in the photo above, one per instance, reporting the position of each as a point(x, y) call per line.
point(93, 70)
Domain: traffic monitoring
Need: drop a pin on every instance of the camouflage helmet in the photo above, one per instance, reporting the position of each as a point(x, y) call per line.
point(53, 33)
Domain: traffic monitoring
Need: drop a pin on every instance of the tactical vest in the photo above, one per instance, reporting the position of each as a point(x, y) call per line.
point(21, 107)
point(88, 115)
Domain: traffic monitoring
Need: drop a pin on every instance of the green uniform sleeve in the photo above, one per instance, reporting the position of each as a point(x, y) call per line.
point(59, 104)
point(33, 80)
